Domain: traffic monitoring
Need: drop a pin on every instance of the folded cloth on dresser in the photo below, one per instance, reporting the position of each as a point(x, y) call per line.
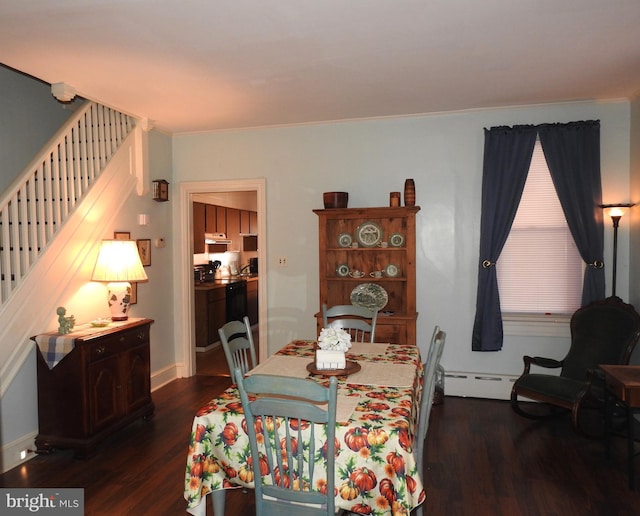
point(55, 346)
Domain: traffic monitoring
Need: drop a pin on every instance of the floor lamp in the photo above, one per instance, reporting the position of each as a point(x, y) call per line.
point(615, 211)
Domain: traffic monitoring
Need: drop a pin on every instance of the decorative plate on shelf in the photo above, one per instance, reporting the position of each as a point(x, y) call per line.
point(392, 270)
point(370, 295)
point(342, 270)
point(396, 240)
point(345, 239)
point(369, 234)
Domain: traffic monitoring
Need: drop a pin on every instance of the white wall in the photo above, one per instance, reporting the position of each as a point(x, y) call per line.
point(443, 153)
point(29, 115)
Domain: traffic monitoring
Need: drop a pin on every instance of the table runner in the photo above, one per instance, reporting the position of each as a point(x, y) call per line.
point(295, 367)
point(380, 374)
point(368, 348)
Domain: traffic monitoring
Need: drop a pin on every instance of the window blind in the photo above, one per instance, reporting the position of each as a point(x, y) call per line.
point(540, 269)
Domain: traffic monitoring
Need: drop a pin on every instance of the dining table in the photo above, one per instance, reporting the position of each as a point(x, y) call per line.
point(376, 424)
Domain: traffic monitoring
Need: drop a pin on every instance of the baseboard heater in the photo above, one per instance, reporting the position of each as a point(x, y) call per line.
point(478, 385)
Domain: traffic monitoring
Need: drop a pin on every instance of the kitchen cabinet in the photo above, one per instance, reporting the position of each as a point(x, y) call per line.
point(100, 386)
point(248, 221)
point(210, 314)
point(211, 218)
point(233, 226)
point(370, 240)
point(252, 301)
point(245, 221)
point(221, 220)
point(199, 227)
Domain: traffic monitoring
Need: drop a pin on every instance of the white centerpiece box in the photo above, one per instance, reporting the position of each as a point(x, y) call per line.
point(333, 343)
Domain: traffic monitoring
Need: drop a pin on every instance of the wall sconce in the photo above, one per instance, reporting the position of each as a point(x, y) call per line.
point(119, 263)
point(615, 211)
point(160, 190)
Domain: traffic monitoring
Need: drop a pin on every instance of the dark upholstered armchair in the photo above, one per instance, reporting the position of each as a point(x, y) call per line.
point(603, 332)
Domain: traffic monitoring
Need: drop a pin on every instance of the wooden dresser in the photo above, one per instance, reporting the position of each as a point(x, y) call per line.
point(101, 384)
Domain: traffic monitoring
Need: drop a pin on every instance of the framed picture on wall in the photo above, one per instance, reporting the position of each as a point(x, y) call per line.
point(121, 235)
point(134, 293)
point(144, 249)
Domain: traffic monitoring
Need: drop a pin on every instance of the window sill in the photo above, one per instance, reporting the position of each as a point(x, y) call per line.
point(534, 325)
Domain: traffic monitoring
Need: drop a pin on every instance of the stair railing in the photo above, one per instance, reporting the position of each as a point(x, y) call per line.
point(38, 202)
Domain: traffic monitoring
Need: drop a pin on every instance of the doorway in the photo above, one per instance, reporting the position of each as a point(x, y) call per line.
point(183, 256)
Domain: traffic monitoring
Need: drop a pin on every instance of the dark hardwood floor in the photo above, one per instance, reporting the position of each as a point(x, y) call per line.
point(482, 459)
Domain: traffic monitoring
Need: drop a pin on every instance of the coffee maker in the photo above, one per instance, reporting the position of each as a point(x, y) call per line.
point(253, 265)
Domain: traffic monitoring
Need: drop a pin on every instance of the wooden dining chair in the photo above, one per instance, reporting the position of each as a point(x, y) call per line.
point(237, 342)
point(359, 321)
point(434, 354)
point(289, 461)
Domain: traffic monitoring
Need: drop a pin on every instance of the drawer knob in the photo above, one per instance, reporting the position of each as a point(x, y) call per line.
point(100, 350)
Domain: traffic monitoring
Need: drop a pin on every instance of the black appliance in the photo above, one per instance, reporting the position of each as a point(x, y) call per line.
point(253, 265)
point(206, 273)
point(199, 274)
point(236, 300)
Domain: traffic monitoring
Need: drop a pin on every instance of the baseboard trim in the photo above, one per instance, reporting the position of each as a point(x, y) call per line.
point(164, 376)
point(208, 347)
point(11, 451)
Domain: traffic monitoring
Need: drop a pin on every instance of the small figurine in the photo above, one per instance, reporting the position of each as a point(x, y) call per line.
point(66, 323)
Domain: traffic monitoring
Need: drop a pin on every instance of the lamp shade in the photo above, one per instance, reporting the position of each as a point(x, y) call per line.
point(118, 260)
point(118, 263)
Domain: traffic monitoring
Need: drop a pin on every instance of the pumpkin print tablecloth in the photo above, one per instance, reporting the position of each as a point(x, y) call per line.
point(375, 467)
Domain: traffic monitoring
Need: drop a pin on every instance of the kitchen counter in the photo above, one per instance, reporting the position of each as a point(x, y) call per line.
point(217, 283)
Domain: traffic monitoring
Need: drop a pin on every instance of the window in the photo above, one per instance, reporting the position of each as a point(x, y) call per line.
point(540, 270)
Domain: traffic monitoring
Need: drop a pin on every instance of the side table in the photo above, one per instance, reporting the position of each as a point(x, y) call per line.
point(623, 383)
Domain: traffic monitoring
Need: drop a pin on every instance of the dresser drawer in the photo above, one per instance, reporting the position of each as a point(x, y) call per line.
point(117, 343)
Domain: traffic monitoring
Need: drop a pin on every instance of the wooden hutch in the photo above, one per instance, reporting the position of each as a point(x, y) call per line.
point(370, 240)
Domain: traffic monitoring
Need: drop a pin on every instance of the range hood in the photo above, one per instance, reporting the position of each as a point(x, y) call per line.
point(216, 238)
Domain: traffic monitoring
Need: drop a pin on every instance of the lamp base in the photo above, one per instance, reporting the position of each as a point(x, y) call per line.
point(119, 299)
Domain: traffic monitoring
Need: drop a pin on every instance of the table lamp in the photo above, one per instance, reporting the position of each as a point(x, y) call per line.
point(118, 264)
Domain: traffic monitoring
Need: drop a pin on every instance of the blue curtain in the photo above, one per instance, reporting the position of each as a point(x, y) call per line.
point(507, 156)
point(572, 152)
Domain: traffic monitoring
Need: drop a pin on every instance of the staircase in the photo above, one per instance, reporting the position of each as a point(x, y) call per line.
point(39, 201)
point(52, 217)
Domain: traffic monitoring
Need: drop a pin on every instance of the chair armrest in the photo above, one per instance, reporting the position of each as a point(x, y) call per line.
point(548, 363)
point(596, 377)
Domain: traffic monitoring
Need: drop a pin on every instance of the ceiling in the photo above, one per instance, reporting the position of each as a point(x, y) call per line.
point(201, 65)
